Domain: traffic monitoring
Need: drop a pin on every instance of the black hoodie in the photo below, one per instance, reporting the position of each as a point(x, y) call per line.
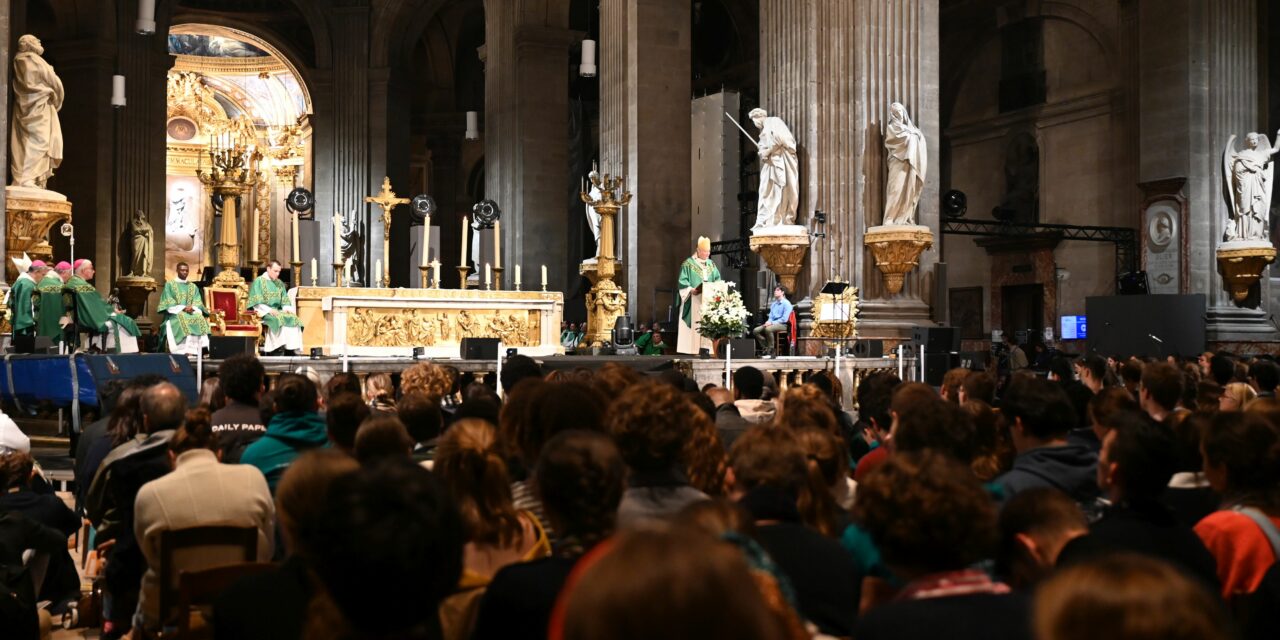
point(1070, 468)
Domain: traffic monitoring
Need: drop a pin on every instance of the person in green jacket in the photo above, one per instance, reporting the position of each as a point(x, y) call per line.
point(650, 342)
point(294, 428)
point(93, 311)
point(22, 299)
point(51, 306)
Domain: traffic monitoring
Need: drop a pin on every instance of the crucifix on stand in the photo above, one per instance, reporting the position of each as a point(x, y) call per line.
point(387, 200)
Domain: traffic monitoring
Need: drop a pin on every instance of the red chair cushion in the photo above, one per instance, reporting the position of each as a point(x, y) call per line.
point(226, 302)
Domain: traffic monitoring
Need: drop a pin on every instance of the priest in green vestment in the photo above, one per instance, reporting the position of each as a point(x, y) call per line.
point(51, 304)
point(696, 270)
point(21, 299)
point(118, 332)
point(268, 297)
point(186, 327)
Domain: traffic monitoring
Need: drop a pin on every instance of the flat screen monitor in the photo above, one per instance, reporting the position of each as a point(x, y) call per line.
point(1073, 328)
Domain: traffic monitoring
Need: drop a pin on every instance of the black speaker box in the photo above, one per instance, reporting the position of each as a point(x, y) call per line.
point(936, 366)
point(936, 339)
point(742, 348)
point(32, 344)
point(868, 348)
point(223, 347)
point(479, 349)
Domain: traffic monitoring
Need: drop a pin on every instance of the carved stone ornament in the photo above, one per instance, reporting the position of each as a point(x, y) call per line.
point(897, 251)
point(782, 249)
point(1241, 267)
point(134, 291)
point(836, 317)
point(29, 221)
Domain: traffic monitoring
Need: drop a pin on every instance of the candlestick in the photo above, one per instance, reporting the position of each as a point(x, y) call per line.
point(296, 253)
point(296, 273)
point(313, 272)
point(544, 277)
point(517, 277)
point(463, 270)
point(497, 243)
point(377, 270)
point(422, 269)
point(466, 228)
point(497, 278)
point(338, 271)
point(426, 241)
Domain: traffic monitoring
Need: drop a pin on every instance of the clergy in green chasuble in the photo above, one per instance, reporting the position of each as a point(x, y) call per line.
point(186, 327)
point(268, 297)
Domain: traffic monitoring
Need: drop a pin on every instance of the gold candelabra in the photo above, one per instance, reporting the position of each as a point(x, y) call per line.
point(235, 170)
point(606, 301)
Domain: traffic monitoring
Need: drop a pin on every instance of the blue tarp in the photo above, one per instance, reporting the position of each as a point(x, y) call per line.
point(49, 378)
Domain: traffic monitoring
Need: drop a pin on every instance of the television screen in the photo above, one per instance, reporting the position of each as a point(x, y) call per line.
point(1074, 328)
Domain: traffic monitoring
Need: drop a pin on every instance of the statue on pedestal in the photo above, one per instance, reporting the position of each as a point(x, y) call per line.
point(140, 242)
point(779, 172)
point(35, 139)
point(593, 217)
point(908, 161)
point(1249, 173)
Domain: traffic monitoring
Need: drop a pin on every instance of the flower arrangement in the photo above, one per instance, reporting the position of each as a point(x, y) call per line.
point(724, 315)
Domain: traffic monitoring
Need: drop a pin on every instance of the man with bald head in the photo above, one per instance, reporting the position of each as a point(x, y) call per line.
point(119, 332)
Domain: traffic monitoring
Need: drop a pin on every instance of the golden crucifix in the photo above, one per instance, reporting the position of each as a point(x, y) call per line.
point(387, 200)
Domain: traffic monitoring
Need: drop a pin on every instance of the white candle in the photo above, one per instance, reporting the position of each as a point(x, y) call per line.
point(487, 281)
point(544, 276)
point(435, 272)
point(253, 238)
point(337, 236)
point(295, 238)
point(377, 270)
point(386, 275)
point(497, 243)
point(517, 276)
point(426, 239)
point(465, 229)
point(314, 273)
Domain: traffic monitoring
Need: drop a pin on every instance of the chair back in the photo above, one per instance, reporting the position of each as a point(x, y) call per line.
point(229, 317)
point(198, 548)
point(200, 588)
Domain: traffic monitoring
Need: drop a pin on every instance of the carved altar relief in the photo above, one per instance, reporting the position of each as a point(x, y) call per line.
point(369, 327)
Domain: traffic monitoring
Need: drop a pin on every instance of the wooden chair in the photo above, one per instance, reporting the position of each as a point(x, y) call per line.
point(228, 314)
point(201, 588)
point(197, 549)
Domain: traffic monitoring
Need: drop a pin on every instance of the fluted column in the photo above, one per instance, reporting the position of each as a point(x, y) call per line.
point(830, 69)
point(645, 135)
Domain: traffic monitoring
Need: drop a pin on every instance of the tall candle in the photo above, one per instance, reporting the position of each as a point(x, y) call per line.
point(295, 238)
point(337, 236)
point(487, 281)
point(314, 274)
point(497, 243)
point(253, 238)
point(544, 276)
point(426, 240)
point(377, 271)
point(517, 276)
point(465, 229)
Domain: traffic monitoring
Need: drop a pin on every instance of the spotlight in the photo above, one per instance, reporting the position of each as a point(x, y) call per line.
point(954, 203)
point(820, 216)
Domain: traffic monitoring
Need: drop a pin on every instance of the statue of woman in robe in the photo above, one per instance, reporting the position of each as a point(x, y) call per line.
point(140, 242)
point(1249, 173)
point(908, 161)
point(35, 138)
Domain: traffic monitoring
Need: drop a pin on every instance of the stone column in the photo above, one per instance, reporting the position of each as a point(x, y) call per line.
point(4, 133)
point(526, 125)
point(645, 135)
point(830, 69)
point(1199, 85)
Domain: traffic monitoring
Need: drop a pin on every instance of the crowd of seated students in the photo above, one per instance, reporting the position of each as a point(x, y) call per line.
point(1111, 498)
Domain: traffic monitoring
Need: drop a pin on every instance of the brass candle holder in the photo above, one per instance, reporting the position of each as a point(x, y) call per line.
point(423, 269)
point(297, 273)
point(338, 269)
point(463, 270)
point(497, 278)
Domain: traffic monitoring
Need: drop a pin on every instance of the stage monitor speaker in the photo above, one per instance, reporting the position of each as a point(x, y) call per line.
point(1157, 325)
point(868, 348)
point(740, 348)
point(223, 347)
point(936, 339)
point(479, 349)
point(936, 366)
point(32, 344)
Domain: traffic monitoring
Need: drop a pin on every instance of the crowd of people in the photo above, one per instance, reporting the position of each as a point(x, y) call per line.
point(1114, 498)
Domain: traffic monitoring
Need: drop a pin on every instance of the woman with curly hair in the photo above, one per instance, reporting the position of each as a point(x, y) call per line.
point(806, 406)
point(651, 422)
point(932, 520)
point(705, 457)
point(579, 479)
point(471, 465)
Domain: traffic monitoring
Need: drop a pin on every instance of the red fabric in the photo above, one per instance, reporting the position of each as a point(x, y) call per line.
point(952, 583)
point(226, 302)
point(791, 320)
point(869, 462)
point(1241, 550)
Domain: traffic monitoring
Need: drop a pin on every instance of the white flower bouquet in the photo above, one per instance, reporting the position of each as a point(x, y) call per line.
point(723, 314)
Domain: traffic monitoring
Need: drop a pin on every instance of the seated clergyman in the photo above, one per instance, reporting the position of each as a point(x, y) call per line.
point(270, 300)
point(186, 327)
point(116, 331)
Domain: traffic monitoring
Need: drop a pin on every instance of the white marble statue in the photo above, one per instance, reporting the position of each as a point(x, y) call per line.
point(779, 172)
point(908, 162)
point(35, 138)
point(593, 217)
point(1249, 173)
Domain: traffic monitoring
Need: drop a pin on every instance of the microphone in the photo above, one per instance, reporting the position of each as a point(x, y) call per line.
point(1153, 337)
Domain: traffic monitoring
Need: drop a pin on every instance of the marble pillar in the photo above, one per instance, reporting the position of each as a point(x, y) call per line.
point(4, 133)
point(526, 124)
point(1199, 85)
point(645, 135)
point(830, 68)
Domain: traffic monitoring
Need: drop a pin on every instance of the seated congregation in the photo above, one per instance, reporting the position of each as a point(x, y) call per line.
point(1109, 499)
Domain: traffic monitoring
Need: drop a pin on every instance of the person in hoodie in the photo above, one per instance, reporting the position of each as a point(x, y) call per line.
point(1040, 416)
point(295, 427)
point(748, 391)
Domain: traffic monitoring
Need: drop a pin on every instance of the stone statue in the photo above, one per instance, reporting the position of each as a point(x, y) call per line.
point(140, 241)
point(1249, 174)
point(353, 255)
point(593, 218)
point(908, 161)
point(35, 139)
point(779, 172)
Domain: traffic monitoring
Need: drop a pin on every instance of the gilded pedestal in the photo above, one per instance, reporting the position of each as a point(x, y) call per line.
point(606, 301)
point(782, 249)
point(134, 292)
point(897, 250)
point(31, 213)
point(1241, 265)
point(590, 269)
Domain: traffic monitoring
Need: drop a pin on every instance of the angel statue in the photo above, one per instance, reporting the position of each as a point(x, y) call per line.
point(908, 162)
point(593, 217)
point(1249, 175)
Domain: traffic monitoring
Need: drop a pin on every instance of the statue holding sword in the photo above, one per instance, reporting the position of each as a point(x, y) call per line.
point(779, 192)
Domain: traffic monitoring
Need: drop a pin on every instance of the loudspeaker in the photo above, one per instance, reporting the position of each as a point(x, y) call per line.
point(868, 348)
point(936, 366)
point(479, 349)
point(32, 344)
point(223, 347)
point(742, 348)
point(936, 339)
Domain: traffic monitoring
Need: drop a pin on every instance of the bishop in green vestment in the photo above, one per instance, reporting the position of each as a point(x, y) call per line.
point(119, 332)
point(270, 300)
point(186, 327)
point(51, 304)
point(696, 270)
point(22, 299)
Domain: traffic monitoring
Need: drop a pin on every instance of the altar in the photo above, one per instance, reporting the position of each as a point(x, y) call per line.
point(359, 321)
